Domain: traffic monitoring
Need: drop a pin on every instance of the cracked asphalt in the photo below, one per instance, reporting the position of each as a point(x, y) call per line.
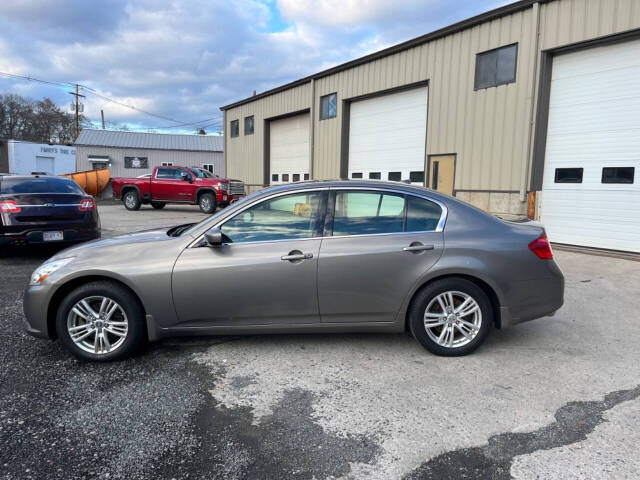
point(554, 398)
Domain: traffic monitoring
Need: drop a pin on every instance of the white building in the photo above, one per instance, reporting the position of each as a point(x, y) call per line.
point(23, 158)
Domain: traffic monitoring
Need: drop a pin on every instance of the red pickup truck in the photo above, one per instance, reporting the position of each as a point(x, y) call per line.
point(192, 185)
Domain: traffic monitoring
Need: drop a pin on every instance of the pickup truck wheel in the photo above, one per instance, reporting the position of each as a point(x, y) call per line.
point(131, 200)
point(207, 203)
point(158, 205)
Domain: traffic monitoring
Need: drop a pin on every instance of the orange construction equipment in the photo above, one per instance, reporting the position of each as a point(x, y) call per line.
point(91, 181)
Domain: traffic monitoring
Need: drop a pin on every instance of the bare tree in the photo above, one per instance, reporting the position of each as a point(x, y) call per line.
point(37, 121)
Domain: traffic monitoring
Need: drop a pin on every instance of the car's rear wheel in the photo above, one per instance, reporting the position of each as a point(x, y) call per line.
point(101, 321)
point(207, 203)
point(131, 200)
point(158, 205)
point(451, 317)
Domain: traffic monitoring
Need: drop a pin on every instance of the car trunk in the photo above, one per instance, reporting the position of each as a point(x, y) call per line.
point(43, 210)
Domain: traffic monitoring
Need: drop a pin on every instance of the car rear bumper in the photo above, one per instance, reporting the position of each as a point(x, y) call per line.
point(36, 235)
point(35, 304)
point(533, 299)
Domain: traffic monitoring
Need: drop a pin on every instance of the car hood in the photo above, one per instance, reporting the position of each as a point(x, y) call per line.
point(154, 235)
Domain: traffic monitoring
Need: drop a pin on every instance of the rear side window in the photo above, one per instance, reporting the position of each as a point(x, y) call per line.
point(422, 215)
point(165, 173)
point(10, 185)
point(365, 213)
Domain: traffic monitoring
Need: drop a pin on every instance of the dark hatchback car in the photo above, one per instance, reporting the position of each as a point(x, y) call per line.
point(45, 209)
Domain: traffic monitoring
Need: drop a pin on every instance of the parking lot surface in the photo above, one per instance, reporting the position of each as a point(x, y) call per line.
point(554, 398)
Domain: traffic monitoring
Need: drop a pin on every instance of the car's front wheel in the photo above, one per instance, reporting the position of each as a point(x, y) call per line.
point(451, 317)
point(101, 321)
point(207, 203)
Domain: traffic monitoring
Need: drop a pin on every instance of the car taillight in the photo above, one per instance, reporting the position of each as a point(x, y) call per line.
point(87, 204)
point(9, 206)
point(541, 247)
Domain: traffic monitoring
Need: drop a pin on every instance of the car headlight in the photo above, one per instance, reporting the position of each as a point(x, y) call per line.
point(224, 186)
point(44, 270)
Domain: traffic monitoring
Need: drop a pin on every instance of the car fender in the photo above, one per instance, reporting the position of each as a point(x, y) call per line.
point(129, 185)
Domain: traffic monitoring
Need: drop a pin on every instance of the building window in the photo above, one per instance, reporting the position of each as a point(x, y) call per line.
point(136, 162)
point(416, 177)
point(356, 175)
point(568, 175)
point(374, 176)
point(248, 125)
point(167, 164)
point(306, 176)
point(618, 174)
point(285, 177)
point(328, 106)
point(207, 166)
point(274, 177)
point(394, 176)
point(296, 177)
point(496, 67)
point(235, 128)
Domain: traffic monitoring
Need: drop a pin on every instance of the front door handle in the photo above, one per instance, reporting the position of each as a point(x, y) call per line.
point(417, 247)
point(296, 255)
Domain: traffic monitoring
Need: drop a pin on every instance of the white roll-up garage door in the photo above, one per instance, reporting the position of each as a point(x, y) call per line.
point(289, 149)
point(591, 185)
point(387, 136)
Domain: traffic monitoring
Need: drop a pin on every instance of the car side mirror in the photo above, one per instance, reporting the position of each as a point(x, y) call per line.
point(186, 176)
point(214, 237)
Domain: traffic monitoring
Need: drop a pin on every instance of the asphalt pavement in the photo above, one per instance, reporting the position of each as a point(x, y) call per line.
point(554, 398)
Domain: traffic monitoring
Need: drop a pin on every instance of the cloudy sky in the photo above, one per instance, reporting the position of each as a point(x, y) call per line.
point(183, 59)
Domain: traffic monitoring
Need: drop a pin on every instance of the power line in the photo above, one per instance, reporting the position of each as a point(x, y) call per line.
point(33, 79)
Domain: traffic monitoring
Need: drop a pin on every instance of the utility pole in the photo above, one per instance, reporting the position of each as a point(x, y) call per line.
point(76, 95)
point(102, 115)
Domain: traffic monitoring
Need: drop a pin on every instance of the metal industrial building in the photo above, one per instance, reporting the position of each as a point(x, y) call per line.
point(23, 158)
point(130, 154)
point(533, 107)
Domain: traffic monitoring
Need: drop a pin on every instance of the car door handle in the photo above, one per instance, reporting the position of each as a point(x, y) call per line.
point(417, 247)
point(292, 257)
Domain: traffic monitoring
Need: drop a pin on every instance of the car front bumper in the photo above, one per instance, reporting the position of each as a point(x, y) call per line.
point(35, 305)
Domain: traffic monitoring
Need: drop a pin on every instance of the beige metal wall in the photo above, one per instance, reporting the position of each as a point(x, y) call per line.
point(490, 130)
point(156, 157)
point(245, 158)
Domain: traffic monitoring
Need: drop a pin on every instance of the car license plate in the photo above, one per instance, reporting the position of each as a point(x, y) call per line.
point(52, 236)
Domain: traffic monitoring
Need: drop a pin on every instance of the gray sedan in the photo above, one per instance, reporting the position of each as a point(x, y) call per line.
point(335, 256)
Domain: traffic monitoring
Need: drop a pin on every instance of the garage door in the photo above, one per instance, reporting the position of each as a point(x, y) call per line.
point(591, 189)
point(289, 149)
point(387, 136)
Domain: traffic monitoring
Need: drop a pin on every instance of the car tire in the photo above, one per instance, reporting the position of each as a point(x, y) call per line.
point(158, 205)
point(453, 330)
point(127, 320)
point(131, 200)
point(207, 203)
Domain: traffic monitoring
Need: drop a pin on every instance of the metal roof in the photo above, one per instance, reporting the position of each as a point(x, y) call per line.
point(151, 141)
point(456, 27)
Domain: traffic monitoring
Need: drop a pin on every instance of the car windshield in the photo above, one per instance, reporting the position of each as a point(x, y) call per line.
point(39, 185)
point(202, 173)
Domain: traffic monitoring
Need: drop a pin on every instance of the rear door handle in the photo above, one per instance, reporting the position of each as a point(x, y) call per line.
point(292, 257)
point(417, 247)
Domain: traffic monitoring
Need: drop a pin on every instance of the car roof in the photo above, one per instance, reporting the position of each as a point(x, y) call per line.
point(373, 184)
point(32, 177)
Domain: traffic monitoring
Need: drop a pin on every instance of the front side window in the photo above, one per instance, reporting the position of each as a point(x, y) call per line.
point(235, 128)
point(178, 172)
point(496, 67)
point(328, 106)
point(248, 125)
point(365, 213)
point(287, 217)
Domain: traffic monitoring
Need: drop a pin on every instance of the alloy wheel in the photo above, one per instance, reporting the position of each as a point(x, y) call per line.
point(97, 325)
point(452, 319)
